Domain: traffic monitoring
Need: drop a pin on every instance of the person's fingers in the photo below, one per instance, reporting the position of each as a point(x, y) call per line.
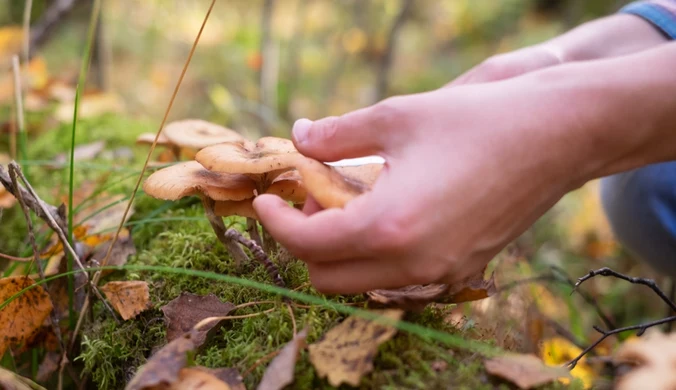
point(367, 131)
point(357, 275)
point(311, 206)
point(332, 234)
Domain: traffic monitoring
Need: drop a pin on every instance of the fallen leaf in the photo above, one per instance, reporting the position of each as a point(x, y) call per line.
point(24, 316)
point(12, 381)
point(280, 372)
point(163, 368)
point(346, 352)
point(91, 105)
point(416, 297)
point(558, 351)
point(129, 298)
point(123, 248)
point(195, 379)
point(228, 375)
point(525, 371)
point(7, 200)
point(650, 360)
point(85, 152)
point(49, 365)
point(185, 311)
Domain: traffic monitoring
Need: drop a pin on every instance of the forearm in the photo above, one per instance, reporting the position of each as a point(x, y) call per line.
point(611, 36)
point(617, 114)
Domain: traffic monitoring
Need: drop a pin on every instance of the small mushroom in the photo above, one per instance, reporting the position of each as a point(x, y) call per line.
point(172, 152)
point(197, 134)
point(190, 178)
point(262, 161)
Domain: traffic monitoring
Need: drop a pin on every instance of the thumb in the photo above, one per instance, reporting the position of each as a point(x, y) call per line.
point(363, 132)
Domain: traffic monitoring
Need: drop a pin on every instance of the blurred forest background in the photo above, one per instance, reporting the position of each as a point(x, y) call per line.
point(262, 64)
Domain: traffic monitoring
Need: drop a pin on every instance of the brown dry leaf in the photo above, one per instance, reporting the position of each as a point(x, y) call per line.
point(12, 381)
point(48, 366)
point(194, 378)
point(652, 362)
point(525, 371)
point(91, 105)
point(346, 352)
point(416, 297)
point(7, 200)
point(129, 298)
point(85, 152)
point(162, 369)
point(280, 372)
point(188, 309)
point(228, 375)
point(22, 318)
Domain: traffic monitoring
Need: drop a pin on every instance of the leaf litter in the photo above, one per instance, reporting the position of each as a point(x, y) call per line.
point(280, 372)
point(187, 310)
point(128, 298)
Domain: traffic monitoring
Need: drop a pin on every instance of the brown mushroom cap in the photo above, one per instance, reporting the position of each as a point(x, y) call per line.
point(190, 178)
point(367, 173)
point(267, 155)
point(149, 138)
point(288, 186)
point(198, 134)
point(242, 208)
point(327, 186)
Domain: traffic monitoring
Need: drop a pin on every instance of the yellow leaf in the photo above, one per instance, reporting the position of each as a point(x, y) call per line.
point(24, 316)
point(346, 352)
point(129, 298)
point(557, 351)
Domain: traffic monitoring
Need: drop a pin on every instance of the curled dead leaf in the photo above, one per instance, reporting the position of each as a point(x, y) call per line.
point(128, 298)
point(24, 316)
point(12, 381)
point(525, 371)
point(416, 297)
point(188, 309)
point(346, 352)
point(280, 372)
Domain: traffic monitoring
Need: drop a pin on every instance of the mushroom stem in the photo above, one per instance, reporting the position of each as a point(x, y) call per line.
point(258, 253)
point(216, 222)
point(269, 243)
point(252, 229)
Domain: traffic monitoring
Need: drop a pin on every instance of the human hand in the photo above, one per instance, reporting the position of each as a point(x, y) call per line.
point(468, 169)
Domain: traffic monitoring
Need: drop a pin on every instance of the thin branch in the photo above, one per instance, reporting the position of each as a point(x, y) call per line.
point(605, 334)
point(385, 64)
point(605, 271)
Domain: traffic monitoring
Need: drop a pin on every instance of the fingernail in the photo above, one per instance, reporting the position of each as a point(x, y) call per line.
point(300, 130)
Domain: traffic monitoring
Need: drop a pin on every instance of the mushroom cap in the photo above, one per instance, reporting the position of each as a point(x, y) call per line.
point(190, 178)
point(328, 186)
point(242, 208)
point(149, 138)
point(267, 155)
point(288, 186)
point(367, 173)
point(198, 134)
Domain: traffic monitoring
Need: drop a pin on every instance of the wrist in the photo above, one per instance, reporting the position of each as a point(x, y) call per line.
point(611, 36)
point(613, 115)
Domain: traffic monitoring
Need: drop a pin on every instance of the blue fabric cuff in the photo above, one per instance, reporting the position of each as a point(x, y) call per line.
point(659, 16)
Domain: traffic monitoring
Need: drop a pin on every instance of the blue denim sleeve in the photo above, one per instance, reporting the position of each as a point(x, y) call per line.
point(660, 13)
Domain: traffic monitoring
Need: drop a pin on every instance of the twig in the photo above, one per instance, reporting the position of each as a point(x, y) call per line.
point(243, 305)
point(605, 334)
point(212, 319)
point(385, 64)
point(605, 271)
point(258, 253)
point(293, 319)
point(13, 258)
point(260, 361)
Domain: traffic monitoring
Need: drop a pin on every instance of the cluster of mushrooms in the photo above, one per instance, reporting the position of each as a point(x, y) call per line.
point(229, 171)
